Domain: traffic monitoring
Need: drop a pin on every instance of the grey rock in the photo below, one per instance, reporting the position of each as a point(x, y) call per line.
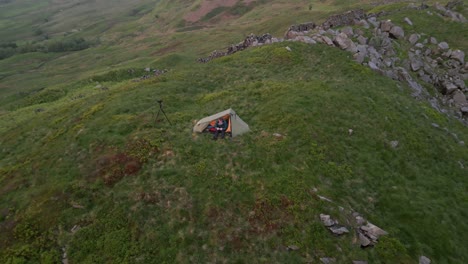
point(373, 230)
point(362, 40)
point(458, 55)
point(292, 248)
point(404, 76)
point(361, 53)
point(373, 66)
point(358, 32)
point(408, 21)
point(464, 110)
point(327, 41)
point(435, 125)
point(433, 41)
point(419, 45)
point(328, 260)
point(413, 38)
point(459, 98)
point(359, 262)
point(447, 87)
point(363, 240)
point(386, 26)
point(339, 230)
point(394, 144)
point(373, 21)
point(424, 260)
point(443, 45)
point(326, 220)
point(416, 64)
point(348, 31)
point(397, 32)
point(345, 43)
point(363, 23)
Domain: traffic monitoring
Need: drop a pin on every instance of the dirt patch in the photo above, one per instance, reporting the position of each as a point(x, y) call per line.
point(207, 6)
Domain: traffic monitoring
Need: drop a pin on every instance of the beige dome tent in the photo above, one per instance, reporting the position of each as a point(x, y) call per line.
point(236, 125)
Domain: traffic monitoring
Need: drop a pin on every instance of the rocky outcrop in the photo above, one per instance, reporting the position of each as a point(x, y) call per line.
point(427, 63)
point(348, 18)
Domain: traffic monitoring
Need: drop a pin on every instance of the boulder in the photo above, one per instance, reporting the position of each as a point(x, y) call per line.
point(327, 41)
point(362, 40)
point(443, 45)
point(459, 98)
point(373, 21)
point(386, 26)
point(397, 32)
point(348, 31)
point(363, 240)
point(361, 53)
point(345, 43)
point(464, 110)
point(458, 55)
point(416, 64)
point(363, 23)
point(413, 38)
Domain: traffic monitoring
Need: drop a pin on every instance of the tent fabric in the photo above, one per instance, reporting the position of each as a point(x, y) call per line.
point(236, 125)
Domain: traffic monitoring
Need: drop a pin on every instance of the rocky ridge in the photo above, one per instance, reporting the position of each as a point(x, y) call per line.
point(428, 62)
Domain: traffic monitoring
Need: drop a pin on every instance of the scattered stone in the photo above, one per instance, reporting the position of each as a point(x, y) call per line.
point(359, 262)
point(350, 131)
point(397, 32)
point(408, 21)
point(323, 198)
point(433, 40)
point(328, 260)
point(413, 38)
point(363, 240)
point(394, 144)
point(339, 230)
point(424, 260)
point(386, 26)
point(292, 248)
point(75, 229)
point(288, 48)
point(443, 45)
point(326, 220)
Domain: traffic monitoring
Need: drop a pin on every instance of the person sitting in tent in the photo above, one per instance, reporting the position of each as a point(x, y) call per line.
point(220, 126)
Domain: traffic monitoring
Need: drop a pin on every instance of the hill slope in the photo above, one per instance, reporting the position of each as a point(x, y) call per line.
point(93, 174)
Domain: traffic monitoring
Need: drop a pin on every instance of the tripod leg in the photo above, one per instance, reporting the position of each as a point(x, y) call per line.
point(157, 116)
point(166, 116)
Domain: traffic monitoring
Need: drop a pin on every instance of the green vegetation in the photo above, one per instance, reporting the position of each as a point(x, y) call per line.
point(92, 172)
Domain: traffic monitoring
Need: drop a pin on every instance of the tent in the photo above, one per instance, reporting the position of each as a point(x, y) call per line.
point(236, 125)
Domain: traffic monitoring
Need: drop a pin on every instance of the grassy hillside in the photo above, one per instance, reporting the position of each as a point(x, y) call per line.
point(86, 169)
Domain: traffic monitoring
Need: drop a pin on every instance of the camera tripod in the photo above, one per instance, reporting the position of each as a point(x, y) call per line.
point(160, 102)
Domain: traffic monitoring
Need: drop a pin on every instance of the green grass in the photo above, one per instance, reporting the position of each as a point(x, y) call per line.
point(144, 191)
